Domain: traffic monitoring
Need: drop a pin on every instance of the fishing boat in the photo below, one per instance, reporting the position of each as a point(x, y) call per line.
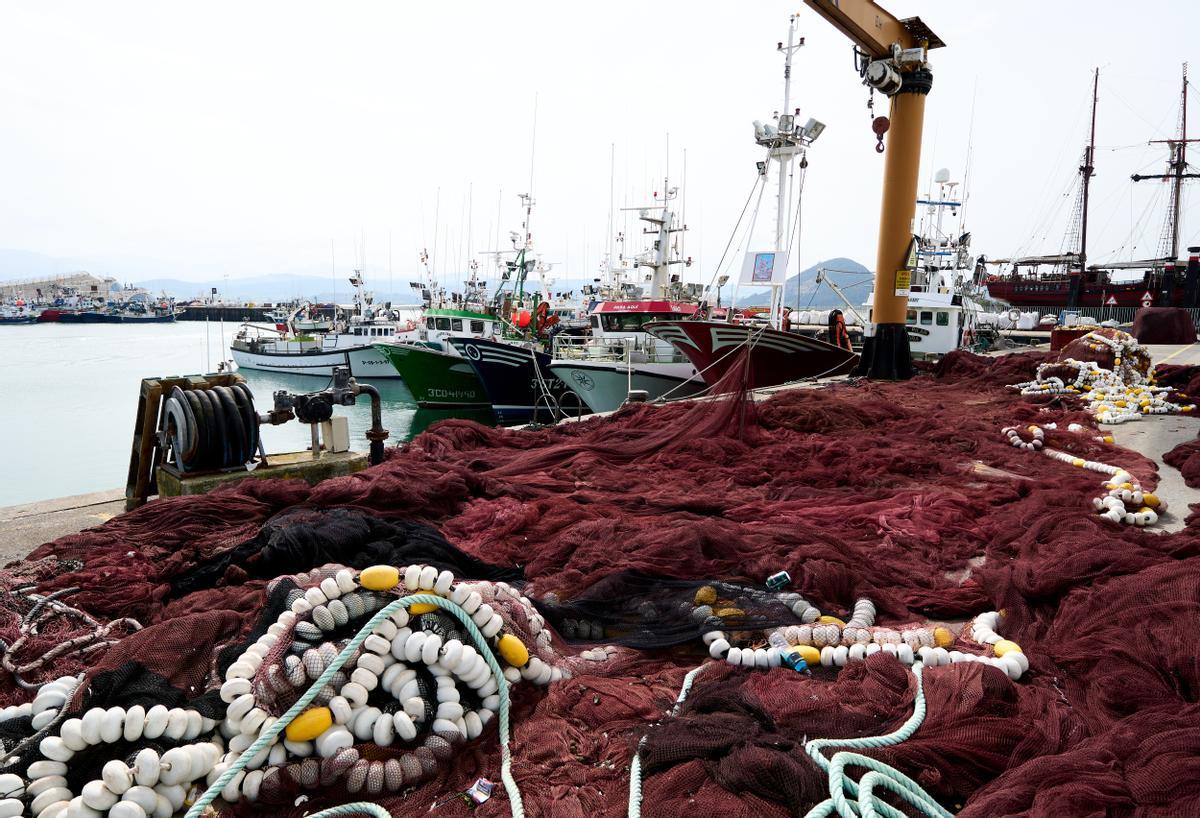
point(512, 365)
point(774, 355)
point(17, 313)
point(297, 352)
point(1067, 281)
point(135, 306)
point(433, 370)
point(621, 359)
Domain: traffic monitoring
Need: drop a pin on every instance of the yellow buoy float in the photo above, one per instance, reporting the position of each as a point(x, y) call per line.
point(309, 724)
point(379, 578)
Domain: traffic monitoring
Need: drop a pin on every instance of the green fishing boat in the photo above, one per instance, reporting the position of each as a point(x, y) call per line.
point(436, 377)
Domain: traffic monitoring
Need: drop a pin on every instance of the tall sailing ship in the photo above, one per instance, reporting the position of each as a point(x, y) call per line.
point(1071, 282)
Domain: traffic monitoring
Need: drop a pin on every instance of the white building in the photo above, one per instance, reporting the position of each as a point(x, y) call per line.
point(46, 289)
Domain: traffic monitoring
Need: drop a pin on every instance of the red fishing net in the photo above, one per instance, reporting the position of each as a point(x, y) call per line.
point(905, 493)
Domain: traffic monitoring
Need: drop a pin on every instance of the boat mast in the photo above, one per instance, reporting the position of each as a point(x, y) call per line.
point(1177, 167)
point(1180, 165)
point(783, 154)
point(1087, 170)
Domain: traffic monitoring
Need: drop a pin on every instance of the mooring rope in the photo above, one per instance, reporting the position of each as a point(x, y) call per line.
point(879, 775)
point(867, 804)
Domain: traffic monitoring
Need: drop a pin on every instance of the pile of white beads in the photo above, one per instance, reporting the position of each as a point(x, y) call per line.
point(831, 643)
point(440, 692)
point(1118, 395)
point(1124, 501)
point(416, 656)
point(154, 786)
point(1037, 437)
point(1007, 653)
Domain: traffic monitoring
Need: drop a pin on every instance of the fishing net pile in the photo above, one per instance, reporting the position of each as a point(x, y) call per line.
point(1111, 373)
point(599, 564)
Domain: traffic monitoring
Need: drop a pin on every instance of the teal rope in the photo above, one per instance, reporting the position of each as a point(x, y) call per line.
point(635, 767)
point(867, 804)
point(353, 809)
point(516, 806)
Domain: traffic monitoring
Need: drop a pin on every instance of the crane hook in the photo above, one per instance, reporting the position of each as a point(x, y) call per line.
point(880, 126)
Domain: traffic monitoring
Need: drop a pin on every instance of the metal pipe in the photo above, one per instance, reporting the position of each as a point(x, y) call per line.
point(376, 434)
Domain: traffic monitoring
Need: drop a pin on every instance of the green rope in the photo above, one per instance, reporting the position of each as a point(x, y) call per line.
point(516, 806)
point(635, 766)
point(352, 809)
point(879, 775)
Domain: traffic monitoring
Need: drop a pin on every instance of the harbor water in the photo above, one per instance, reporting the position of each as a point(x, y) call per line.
point(69, 396)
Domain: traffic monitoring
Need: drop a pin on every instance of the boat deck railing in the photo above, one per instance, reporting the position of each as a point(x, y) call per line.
point(600, 350)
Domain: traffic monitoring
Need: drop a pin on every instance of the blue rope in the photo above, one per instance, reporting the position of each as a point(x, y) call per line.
point(516, 806)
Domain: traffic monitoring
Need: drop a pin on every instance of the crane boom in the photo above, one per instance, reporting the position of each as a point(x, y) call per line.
point(874, 29)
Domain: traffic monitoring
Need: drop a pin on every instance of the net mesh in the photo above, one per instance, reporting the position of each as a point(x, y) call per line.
point(902, 493)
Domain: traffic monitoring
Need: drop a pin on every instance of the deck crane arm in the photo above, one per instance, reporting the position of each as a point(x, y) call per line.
point(898, 67)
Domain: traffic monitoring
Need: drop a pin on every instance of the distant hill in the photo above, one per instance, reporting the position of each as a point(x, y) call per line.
point(854, 279)
point(272, 288)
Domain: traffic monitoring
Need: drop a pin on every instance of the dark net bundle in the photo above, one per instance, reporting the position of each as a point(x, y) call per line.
point(300, 539)
point(648, 611)
point(904, 493)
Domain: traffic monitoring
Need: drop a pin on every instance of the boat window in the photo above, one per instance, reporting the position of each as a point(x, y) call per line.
point(926, 317)
point(456, 324)
point(619, 322)
point(477, 327)
point(358, 330)
point(943, 319)
point(443, 323)
point(911, 317)
point(429, 322)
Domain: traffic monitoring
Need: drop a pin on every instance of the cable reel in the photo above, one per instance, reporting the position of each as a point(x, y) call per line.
point(209, 429)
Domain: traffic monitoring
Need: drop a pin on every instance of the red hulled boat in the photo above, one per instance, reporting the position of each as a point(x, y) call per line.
point(776, 356)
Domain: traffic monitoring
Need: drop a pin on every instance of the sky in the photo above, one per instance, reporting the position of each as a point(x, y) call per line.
point(245, 139)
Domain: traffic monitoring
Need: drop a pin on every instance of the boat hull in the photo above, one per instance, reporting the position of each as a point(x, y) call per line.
point(111, 318)
point(518, 382)
point(1053, 295)
point(364, 362)
point(604, 386)
point(437, 380)
point(776, 357)
point(23, 319)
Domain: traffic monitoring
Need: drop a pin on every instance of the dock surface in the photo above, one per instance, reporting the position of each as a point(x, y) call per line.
point(25, 527)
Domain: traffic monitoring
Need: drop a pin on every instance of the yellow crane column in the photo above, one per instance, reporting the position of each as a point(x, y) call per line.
point(889, 357)
point(894, 61)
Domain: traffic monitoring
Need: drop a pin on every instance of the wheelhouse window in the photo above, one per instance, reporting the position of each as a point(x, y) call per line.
point(443, 323)
point(632, 322)
point(943, 319)
point(429, 322)
point(910, 317)
point(358, 330)
point(926, 317)
point(456, 324)
point(476, 327)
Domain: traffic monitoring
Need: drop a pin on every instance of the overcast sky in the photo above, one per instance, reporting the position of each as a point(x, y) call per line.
point(244, 138)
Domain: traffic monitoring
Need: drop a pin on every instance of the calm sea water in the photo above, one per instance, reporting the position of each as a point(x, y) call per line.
point(69, 393)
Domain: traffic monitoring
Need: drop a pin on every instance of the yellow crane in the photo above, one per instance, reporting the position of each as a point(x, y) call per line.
point(894, 60)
